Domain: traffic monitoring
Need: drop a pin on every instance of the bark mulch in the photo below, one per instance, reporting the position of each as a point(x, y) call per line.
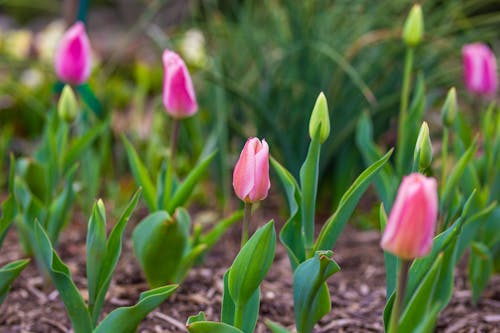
point(357, 291)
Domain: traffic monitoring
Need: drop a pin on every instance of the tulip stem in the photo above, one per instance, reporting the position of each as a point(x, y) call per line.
point(404, 268)
point(403, 108)
point(173, 147)
point(246, 223)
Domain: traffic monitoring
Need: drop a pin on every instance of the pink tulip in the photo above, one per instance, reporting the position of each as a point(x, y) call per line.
point(73, 59)
point(251, 173)
point(178, 92)
point(410, 229)
point(480, 69)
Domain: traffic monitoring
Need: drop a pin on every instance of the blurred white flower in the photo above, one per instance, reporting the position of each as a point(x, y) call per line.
point(31, 78)
point(192, 48)
point(47, 39)
point(17, 43)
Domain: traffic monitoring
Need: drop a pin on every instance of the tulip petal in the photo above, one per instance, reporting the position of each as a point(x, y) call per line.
point(244, 175)
point(262, 183)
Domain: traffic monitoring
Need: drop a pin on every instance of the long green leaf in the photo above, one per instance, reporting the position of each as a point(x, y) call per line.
point(291, 235)
point(275, 327)
point(480, 269)
point(141, 175)
point(126, 319)
point(212, 236)
point(211, 327)
point(336, 223)
point(60, 275)
point(186, 188)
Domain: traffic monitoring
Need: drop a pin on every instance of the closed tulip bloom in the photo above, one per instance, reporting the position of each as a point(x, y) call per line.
point(178, 92)
point(73, 59)
point(411, 225)
point(480, 69)
point(251, 173)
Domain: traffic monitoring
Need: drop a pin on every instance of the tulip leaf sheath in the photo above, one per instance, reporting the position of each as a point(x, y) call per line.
point(310, 292)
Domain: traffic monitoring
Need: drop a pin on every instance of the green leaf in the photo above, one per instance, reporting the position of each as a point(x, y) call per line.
point(275, 327)
point(113, 251)
point(428, 324)
point(252, 264)
point(386, 180)
point(309, 184)
point(186, 188)
point(199, 317)
point(455, 175)
point(160, 242)
point(391, 261)
point(90, 99)
point(211, 327)
point(141, 175)
point(96, 251)
point(335, 224)
point(291, 235)
point(416, 308)
point(79, 145)
point(250, 309)
point(126, 319)
point(480, 269)
point(8, 214)
point(211, 238)
point(60, 275)
point(310, 293)
point(60, 207)
point(8, 273)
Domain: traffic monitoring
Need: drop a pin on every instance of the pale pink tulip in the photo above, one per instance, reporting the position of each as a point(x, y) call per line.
point(480, 69)
point(73, 60)
point(251, 173)
point(410, 229)
point(178, 92)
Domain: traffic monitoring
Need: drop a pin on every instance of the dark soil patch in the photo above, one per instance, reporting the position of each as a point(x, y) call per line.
point(357, 291)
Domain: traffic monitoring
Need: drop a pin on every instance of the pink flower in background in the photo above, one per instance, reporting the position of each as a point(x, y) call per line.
point(73, 60)
point(410, 229)
point(251, 173)
point(480, 69)
point(178, 92)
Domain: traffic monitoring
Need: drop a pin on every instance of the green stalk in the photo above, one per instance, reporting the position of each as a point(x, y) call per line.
point(403, 108)
point(173, 147)
point(246, 223)
point(444, 156)
point(238, 316)
point(400, 294)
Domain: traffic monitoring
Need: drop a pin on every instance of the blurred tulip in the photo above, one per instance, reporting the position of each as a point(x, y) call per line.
point(178, 92)
point(73, 59)
point(319, 117)
point(47, 39)
point(410, 229)
point(413, 29)
point(480, 69)
point(17, 43)
point(251, 173)
point(193, 48)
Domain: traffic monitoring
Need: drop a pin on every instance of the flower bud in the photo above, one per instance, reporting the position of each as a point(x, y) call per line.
point(178, 92)
point(67, 107)
point(423, 147)
point(449, 110)
point(251, 173)
point(410, 229)
point(480, 69)
point(319, 117)
point(414, 26)
point(73, 58)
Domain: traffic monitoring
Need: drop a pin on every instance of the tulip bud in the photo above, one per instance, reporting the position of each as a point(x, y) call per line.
point(410, 229)
point(178, 92)
point(414, 26)
point(73, 59)
point(251, 173)
point(423, 147)
point(449, 110)
point(480, 69)
point(319, 117)
point(67, 107)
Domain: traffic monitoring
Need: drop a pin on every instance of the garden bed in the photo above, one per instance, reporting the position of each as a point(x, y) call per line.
point(357, 291)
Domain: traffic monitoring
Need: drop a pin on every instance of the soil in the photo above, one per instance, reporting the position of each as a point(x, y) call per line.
point(357, 291)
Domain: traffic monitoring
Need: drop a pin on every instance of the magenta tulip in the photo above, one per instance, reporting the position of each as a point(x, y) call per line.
point(480, 69)
point(251, 173)
point(411, 225)
point(73, 60)
point(178, 92)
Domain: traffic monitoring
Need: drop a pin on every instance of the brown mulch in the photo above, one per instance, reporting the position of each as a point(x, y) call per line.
point(357, 291)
